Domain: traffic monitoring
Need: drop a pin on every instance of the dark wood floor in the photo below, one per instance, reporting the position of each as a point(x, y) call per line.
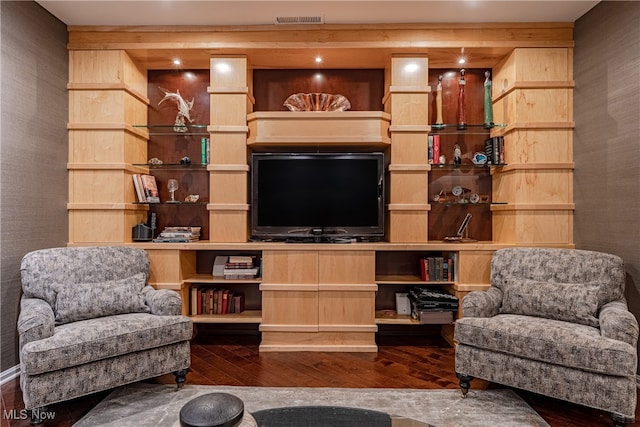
point(423, 361)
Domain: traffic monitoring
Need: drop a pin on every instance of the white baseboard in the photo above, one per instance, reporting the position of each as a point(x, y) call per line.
point(9, 374)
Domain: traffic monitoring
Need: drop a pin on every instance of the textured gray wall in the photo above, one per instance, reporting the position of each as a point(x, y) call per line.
point(33, 148)
point(607, 136)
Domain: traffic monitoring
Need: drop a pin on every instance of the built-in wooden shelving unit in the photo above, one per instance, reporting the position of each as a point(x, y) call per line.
point(322, 297)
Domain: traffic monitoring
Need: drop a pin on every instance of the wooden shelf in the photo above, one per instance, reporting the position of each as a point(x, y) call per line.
point(389, 317)
point(360, 128)
point(247, 316)
point(406, 280)
point(207, 278)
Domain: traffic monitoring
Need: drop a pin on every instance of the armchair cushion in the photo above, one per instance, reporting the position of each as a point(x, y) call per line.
point(550, 341)
point(86, 341)
point(81, 301)
point(571, 302)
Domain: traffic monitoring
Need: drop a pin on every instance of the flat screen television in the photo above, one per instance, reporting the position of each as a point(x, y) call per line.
point(319, 197)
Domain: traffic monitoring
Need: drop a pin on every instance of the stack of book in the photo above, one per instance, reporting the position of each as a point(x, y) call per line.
point(432, 305)
point(236, 267)
point(178, 235)
point(208, 300)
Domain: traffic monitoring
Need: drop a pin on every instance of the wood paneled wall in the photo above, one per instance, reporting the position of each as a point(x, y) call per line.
point(363, 88)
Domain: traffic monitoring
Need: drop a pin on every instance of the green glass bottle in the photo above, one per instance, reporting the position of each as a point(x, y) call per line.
point(203, 151)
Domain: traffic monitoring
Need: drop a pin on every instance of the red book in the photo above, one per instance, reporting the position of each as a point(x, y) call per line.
point(424, 269)
point(225, 302)
point(436, 149)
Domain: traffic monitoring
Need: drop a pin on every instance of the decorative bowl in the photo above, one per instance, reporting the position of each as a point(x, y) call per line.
point(317, 102)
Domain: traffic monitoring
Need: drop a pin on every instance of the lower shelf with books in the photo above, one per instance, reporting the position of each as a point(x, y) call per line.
point(414, 304)
point(225, 287)
point(218, 300)
point(412, 287)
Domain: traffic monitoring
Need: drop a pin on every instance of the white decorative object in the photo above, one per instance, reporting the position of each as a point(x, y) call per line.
point(317, 102)
point(457, 155)
point(184, 108)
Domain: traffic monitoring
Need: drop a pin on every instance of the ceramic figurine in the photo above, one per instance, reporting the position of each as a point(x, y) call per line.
point(457, 155)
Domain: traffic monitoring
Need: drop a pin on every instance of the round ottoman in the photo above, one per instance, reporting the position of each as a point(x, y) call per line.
point(215, 410)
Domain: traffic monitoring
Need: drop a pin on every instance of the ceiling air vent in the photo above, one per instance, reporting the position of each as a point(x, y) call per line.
point(280, 20)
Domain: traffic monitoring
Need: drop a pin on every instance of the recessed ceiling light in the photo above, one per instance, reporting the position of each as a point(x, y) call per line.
point(462, 59)
point(177, 62)
point(318, 59)
point(411, 67)
point(223, 67)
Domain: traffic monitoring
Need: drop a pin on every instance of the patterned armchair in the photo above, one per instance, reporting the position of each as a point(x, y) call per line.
point(553, 322)
point(89, 322)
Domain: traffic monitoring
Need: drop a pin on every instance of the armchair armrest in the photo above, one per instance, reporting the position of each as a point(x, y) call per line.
point(482, 303)
point(36, 320)
point(162, 302)
point(618, 323)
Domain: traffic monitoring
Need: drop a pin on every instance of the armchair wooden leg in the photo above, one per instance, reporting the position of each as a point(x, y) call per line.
point(465, 383)
point(181, 377)
point(621, 420)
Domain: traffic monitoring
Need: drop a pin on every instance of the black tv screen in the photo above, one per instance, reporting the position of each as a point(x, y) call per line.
point(304, 195)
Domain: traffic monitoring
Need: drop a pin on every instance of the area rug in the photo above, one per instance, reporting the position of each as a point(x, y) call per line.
point(154, 405)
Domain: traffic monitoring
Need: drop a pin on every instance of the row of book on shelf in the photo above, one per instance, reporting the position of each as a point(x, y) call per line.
point(493, 150)
point(438, 268)
point(236, 267)
point(207, 300)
